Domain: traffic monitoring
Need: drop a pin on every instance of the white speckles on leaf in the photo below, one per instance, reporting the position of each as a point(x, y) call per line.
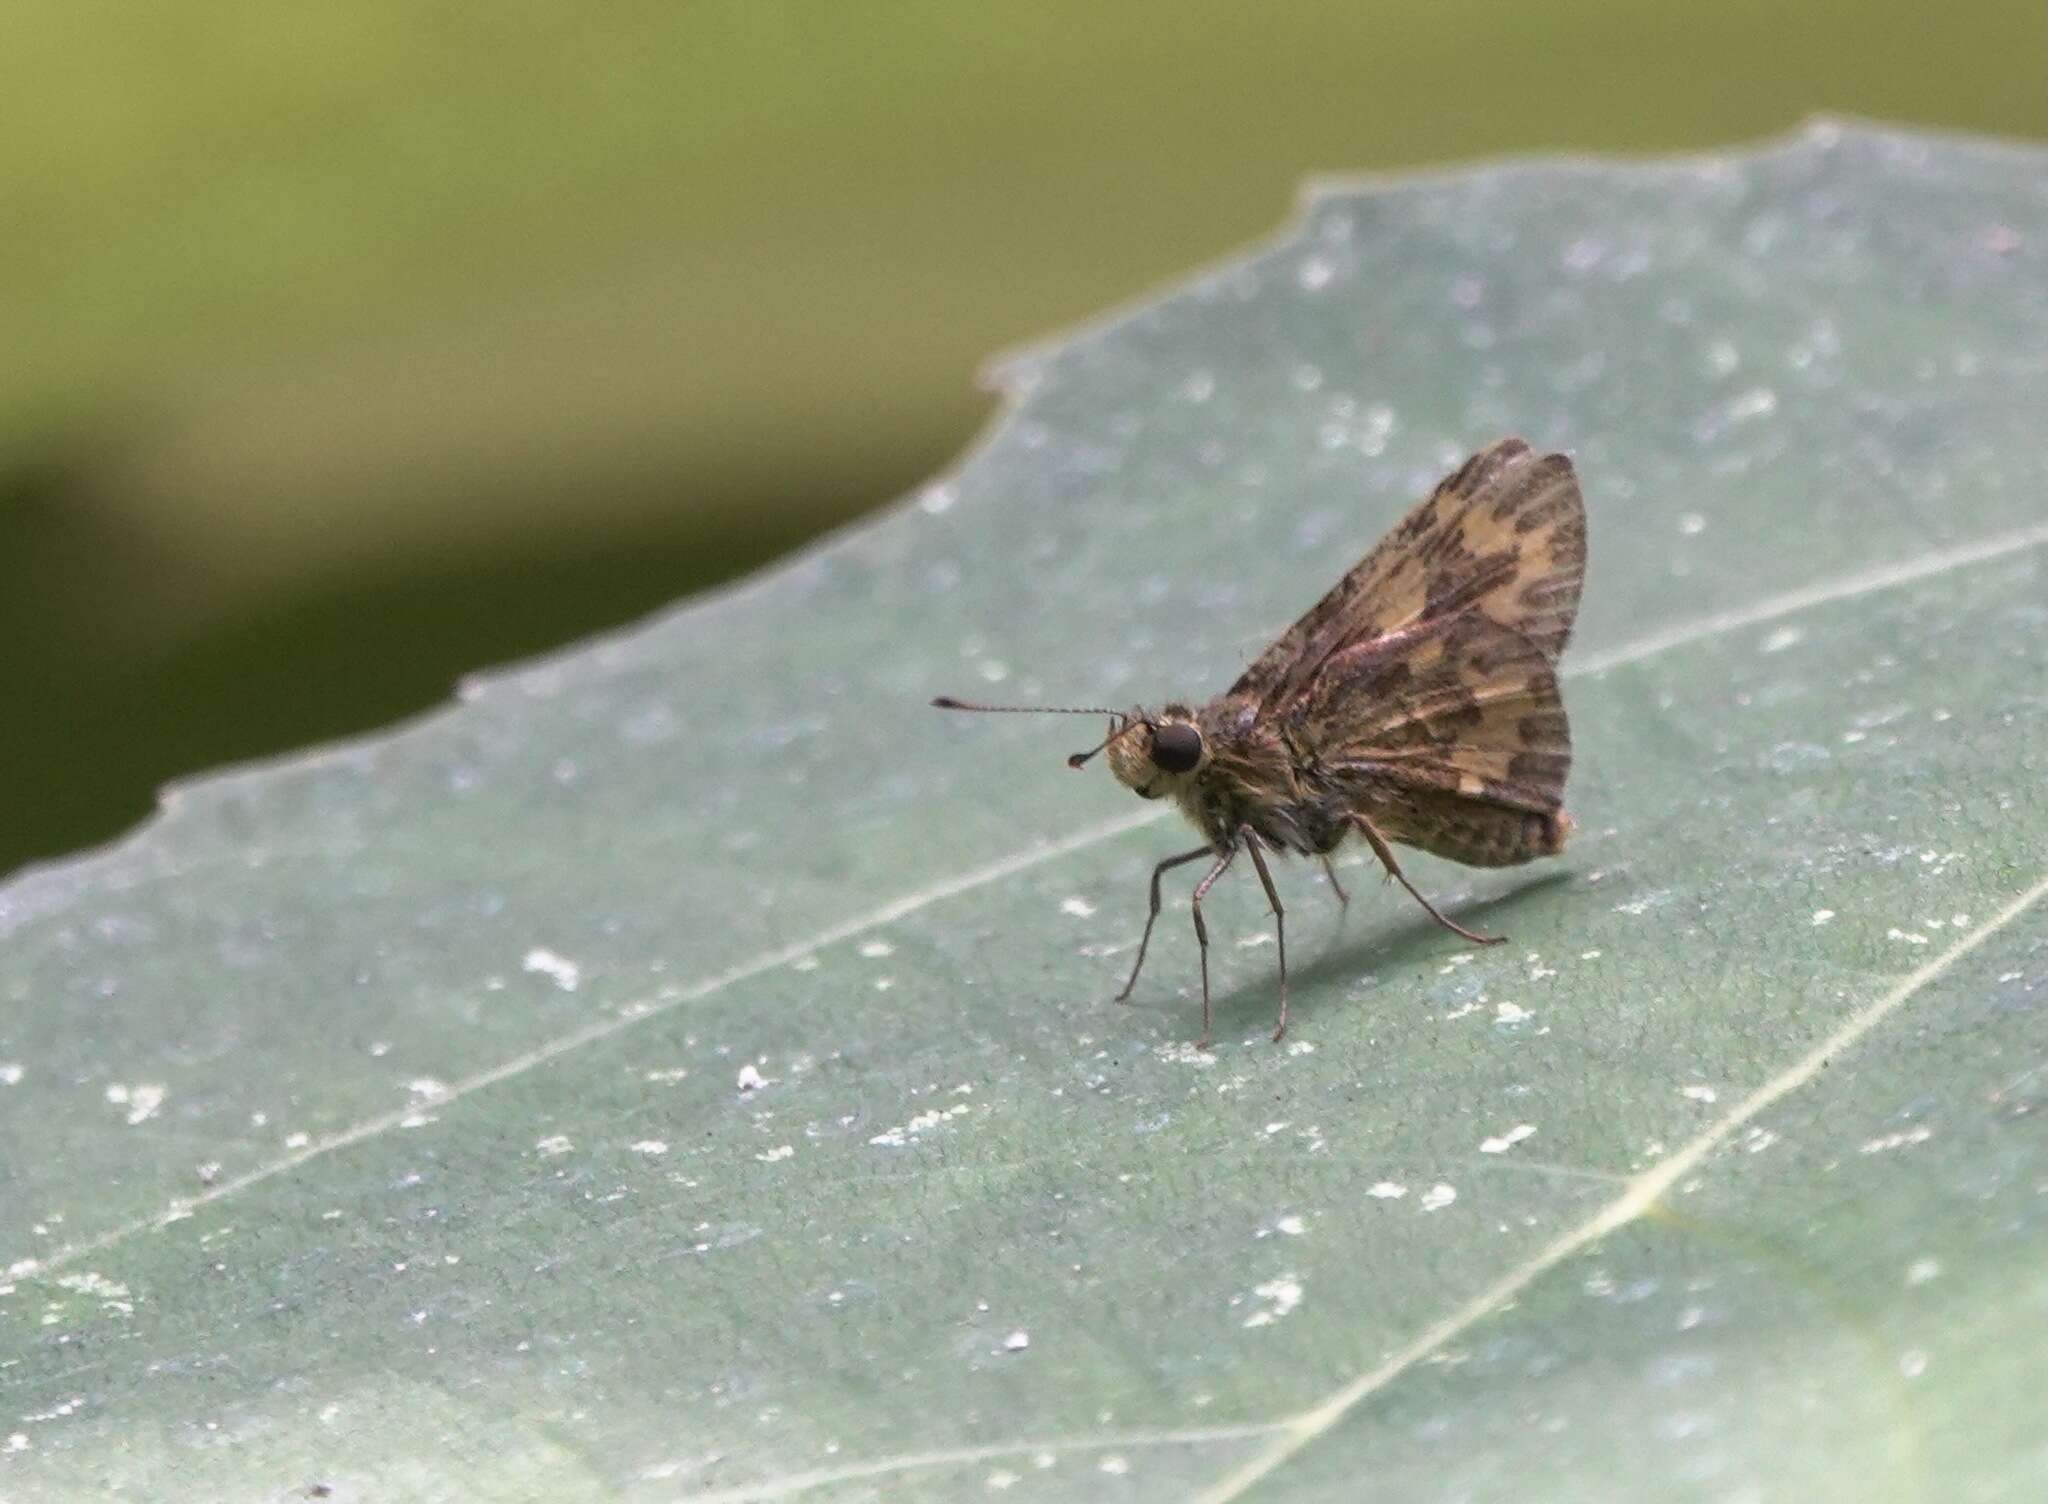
point(112, 1295)
point(1511, 1013)
point(874, 950)
point(1908, 936)
point(1386, 1190)
point(1080, 908)
point(1183, 1052)
point(1912, 1363)
point(1904, 1137)
point(750, 1078)
point(901, 1135)
point(138, 1103)
point(1508, 1140)
point(553, 1144)
point(1290, 1227)
point(1281, 1295)
point(559, 969)
point(1699, 1093)
point(651, 1147)
point(1017, 1341)
point(10, 1073)
point(1116, 1466)
point(1437, 1197)
point(1781, 639)
point(1920, 1271)
point(1757, 402)
point(1822, 916)
point(779, 1152)
point(1314, 272)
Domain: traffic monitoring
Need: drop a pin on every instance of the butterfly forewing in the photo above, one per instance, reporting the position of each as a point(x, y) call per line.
point(1503, 536)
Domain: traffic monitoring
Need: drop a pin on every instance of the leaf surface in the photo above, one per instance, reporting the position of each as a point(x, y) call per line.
point(684, 1069)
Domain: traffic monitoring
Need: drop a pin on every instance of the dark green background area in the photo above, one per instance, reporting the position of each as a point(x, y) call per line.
point(345, 351)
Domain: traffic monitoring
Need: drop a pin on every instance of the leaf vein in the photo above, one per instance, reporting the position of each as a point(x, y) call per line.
point(1642, 1195)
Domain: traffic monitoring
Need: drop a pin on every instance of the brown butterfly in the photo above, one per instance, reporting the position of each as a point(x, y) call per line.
point(1417, 703)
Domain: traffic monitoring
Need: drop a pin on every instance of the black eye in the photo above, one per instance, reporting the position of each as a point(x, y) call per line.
point(1176, 747)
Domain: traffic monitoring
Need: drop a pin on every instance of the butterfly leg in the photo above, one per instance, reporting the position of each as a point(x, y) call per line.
point(1202, 932)
point(1157, 872)
point(1330, 872)
point(1251, 844)
point(1385, 853)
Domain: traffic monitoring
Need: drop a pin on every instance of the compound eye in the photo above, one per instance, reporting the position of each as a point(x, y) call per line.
point(1176, 747)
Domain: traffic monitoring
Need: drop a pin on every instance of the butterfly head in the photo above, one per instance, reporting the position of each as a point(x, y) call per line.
point(1153, 755)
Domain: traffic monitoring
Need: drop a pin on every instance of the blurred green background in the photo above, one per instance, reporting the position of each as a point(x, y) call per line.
point(348, 347)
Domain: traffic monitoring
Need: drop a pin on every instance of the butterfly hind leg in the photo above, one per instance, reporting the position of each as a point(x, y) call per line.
point(1385, 853)
point(1208, 881)
point(1251, 844)
point(1330, 871)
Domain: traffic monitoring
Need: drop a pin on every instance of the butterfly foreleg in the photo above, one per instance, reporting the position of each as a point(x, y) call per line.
point(1251, 844)
point(1223, 862)
point(1153, 915)
point(1330, 871)
point(1385, 853)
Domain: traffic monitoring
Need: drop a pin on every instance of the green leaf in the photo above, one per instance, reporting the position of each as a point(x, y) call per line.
point(686, 1068)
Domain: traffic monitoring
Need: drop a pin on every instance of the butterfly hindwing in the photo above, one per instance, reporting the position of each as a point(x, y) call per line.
point(1452, 738)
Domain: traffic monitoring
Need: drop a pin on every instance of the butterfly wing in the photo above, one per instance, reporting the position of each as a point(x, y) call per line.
point(1504, 536)
point(1451, 738)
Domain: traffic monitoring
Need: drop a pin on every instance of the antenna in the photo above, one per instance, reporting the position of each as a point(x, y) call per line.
point(947, 702)
point(1120, 721)
point(1079, 758)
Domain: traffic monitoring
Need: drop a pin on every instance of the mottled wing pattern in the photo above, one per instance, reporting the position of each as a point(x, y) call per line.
point(1504, 536)
point(1451, 737)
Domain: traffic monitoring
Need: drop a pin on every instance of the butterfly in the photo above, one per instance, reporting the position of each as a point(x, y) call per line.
point(1416, 704)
